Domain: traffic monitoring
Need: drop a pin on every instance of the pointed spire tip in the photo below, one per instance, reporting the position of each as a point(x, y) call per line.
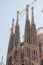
point(32, 8)
point(27, 5)
point(17, 12)
point(32, 15)
point(13, 19)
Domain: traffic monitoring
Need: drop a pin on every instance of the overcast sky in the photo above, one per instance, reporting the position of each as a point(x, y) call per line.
point(8, 9)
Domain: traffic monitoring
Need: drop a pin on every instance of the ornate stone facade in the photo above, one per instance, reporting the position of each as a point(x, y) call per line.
point(27, 52)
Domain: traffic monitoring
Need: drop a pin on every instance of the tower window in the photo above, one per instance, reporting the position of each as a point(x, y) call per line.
point(22, 64)
point(27, 51)
point(34, 52)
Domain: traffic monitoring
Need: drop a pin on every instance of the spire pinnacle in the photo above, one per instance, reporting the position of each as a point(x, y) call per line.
point(17, 16)
point(12, 28)
point(32, 15)
point(27, 11)
point(27, 27)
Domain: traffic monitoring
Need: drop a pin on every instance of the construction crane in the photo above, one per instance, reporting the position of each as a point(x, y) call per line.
point(21, 12)
point(25, 9)
point(28, 6)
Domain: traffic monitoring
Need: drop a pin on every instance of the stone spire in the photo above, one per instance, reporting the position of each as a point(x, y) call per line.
point(17, 53)
point(11, 37)
point(27, 12)
point(33, 32)
point(27, 27)
point(17, 17)
point(17, 32)
point(12, 28)
point(10, 46)
point(32, 15)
